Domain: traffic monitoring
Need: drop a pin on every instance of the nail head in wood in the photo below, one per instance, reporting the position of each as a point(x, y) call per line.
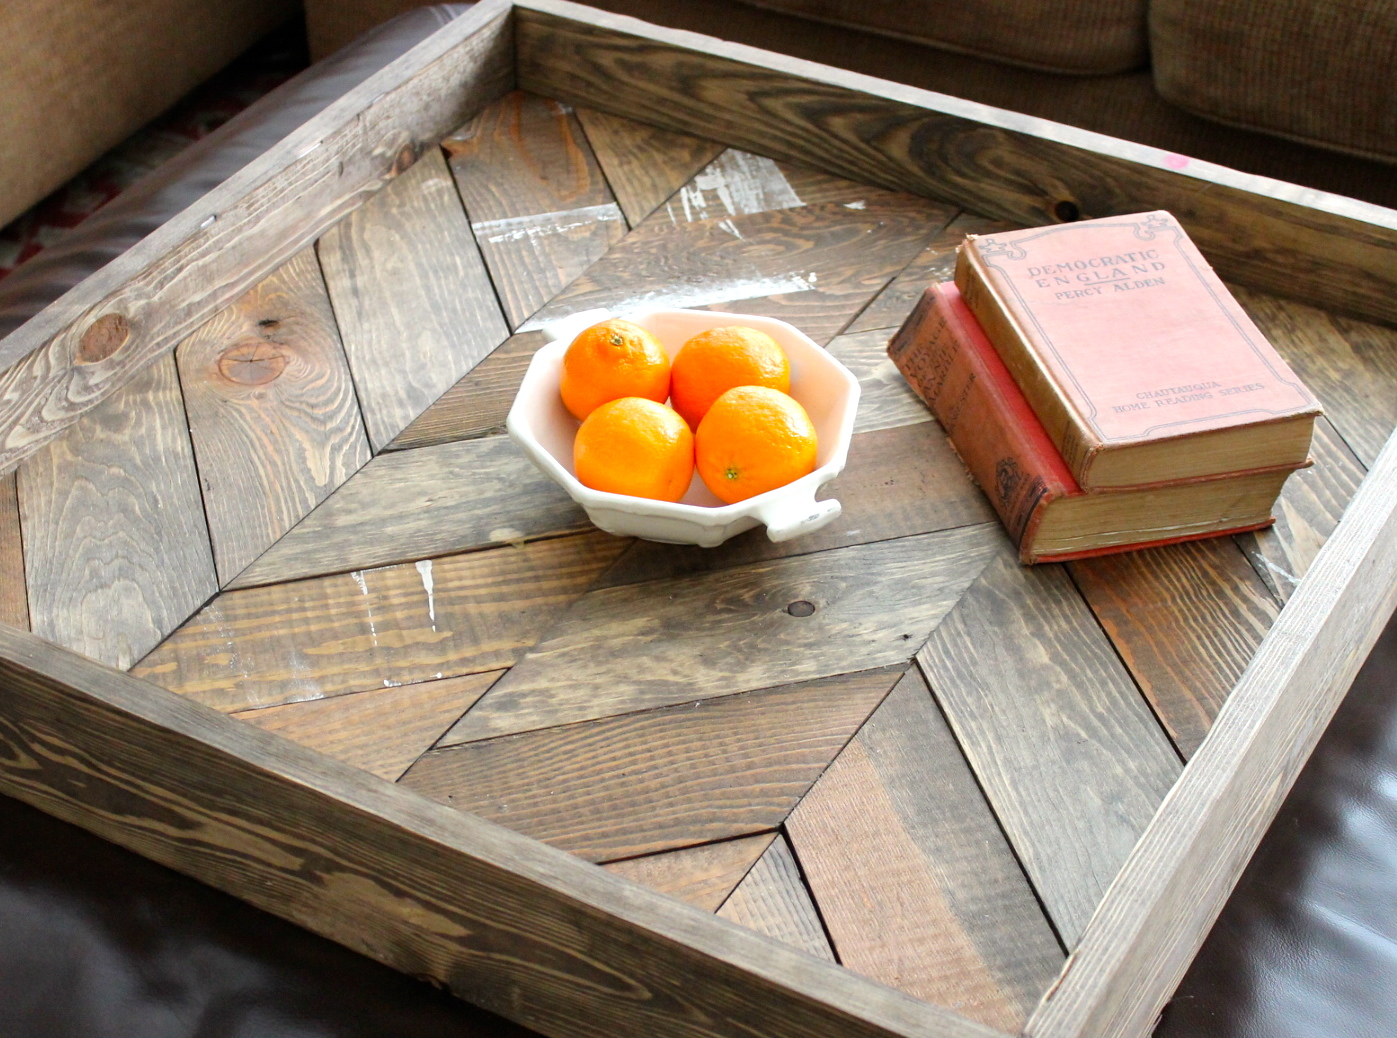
point(801, 608)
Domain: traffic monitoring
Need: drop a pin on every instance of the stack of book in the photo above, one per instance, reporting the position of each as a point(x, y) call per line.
point(1105, 389)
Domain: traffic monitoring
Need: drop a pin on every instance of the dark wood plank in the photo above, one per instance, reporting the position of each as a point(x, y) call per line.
point(716, 634)
point(540, 208)
point(1068, 753)
point(651, 781)
point(479, 403)
point(772, 899)
point(500, 920)
point(116, 550)
point(913, 876)
point(643, 164)
point(381, 731)
point(419, 504)
point(899, 482)
point(1308, 510)
point(702, 876)
point(177, 277)
point(1186, 619)
point(886, 401)
point(936, 263)
point(272, 411)
point(1334, 252)
point(14, 601)
point(311, 639)
point(1359, 397)
point(815, 266)
point(412, 297)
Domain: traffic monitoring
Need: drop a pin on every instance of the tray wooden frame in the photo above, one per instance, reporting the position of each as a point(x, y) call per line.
point(505, 921)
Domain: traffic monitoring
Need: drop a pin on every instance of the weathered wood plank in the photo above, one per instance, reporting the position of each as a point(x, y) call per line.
point(1307, 511)
point(913, 876)
point(479, 403)
point(899, 482)
point(414, 303)
point(643, 164)
point(645, 782)
point(141, 304)
point(1328, 250)
point(936, 263)
point(1070, 757)
point(716, 634)
point(1186, 619)
point(381, 731)
point(886, 401)
point(272, 411)
point(418, 504)
point(1359, 397)
point(116, 550)
point(539, 206)
point(519, 928)
point(772, 899)
point(464, 614)
point(702, 876)
point(14, 601)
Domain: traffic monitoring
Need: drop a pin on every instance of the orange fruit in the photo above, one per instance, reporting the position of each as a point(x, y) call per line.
point(635, 446)
point(610, 360)
point(720, 359)
point(753, 439)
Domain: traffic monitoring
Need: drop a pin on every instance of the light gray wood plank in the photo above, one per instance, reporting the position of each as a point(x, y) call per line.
point(914, 879)
point(115, 545)
point(14, 600)
point(644, 164)
point(419, 504)
point(271, 411)
point(772, 899)
point(701, 876)
point(1070, 756)
point(715, 634)
point(414, 303)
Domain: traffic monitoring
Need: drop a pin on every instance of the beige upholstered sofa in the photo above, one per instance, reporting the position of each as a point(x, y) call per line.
point(77, 76)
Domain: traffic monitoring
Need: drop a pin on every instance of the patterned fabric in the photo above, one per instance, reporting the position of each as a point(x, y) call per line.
point(1318, 71)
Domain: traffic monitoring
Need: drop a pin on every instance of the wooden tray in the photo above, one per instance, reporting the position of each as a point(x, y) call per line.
point(906, 786)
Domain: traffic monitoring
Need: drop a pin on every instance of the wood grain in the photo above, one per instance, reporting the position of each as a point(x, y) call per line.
point(1186, 619)
point(414, 303)
point(702, 876)
point(418, 504)
point(1324, 249)
point(272, 411)
point(1308, 510)
point(14, 601)
point(643, 164)
point(381, 731)
point(716, 634)
point(424, 889)
point(115, 547)
point(899, 482)
point(936, 263)
point(479, 403)
point(650, 781)
point(540, 208)
point(772, 899)
point(913, 876)
point(352, 632)
point(1070, 757)
point(195, 264)
point(885, 400)
point(1359, 397)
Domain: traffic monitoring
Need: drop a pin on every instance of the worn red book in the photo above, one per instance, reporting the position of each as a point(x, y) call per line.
point(948, 361)
point(1140, 364)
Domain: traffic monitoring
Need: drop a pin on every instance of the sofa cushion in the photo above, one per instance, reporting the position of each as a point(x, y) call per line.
point(1318, 71)
point(1081, 36)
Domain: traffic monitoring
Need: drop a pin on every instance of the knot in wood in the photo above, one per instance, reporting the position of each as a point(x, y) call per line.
point(253, 363)
point(801, 608)
point(406, 158)
point(103, 337)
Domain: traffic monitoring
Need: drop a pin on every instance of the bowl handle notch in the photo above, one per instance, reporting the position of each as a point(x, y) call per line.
point(789, 518)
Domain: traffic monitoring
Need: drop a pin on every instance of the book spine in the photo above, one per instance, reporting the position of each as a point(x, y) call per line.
point(950, 364)
point(1073, 438)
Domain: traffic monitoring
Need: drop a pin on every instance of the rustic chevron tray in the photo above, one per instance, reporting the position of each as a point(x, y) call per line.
point(305, 624)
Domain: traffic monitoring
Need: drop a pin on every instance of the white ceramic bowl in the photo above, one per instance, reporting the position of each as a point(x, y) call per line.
point(828, 391)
